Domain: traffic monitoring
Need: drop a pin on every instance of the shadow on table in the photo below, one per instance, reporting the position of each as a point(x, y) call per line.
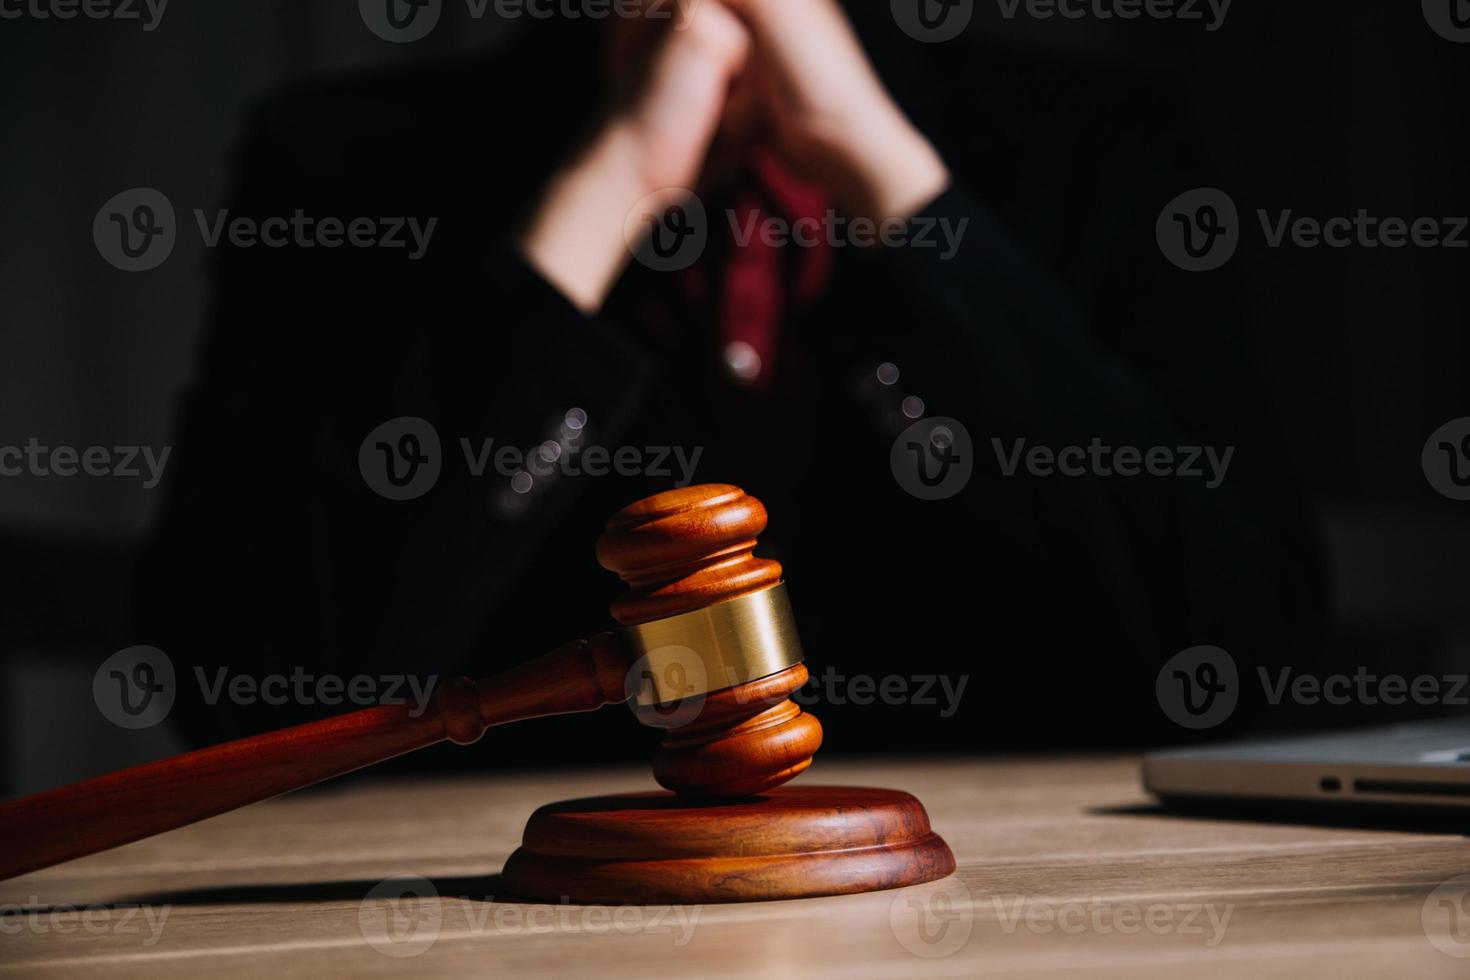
point(1359, 817)
point(473, 888)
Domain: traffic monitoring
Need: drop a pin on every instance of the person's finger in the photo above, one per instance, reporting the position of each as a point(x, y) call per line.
point(810, 46)
point(631, 37)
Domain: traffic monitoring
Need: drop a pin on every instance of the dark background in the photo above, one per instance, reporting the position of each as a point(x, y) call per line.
point(1320, 107)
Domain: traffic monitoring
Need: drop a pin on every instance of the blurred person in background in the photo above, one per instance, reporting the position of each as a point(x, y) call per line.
point(1038, 604)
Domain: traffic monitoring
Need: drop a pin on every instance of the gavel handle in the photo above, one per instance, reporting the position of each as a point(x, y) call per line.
point(95, 814)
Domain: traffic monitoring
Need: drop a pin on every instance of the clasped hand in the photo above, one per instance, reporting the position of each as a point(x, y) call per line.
point(787, 75)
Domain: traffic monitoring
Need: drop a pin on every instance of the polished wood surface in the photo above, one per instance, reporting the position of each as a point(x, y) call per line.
point(120, 807)
point(686, 549)
point(794, 842)
point(282, 889)
point(732, 832)
point(683, 549)
point(744, 740)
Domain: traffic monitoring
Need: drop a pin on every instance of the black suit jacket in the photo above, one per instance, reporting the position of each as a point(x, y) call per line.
point(1058, 322)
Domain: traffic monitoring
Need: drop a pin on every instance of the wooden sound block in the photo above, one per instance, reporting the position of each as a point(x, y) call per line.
point(792, 842)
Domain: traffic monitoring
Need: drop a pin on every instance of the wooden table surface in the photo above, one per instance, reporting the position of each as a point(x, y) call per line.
point(1064, 867)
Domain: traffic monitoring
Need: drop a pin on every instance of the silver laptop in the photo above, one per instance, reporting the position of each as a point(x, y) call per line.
point(1418, 765)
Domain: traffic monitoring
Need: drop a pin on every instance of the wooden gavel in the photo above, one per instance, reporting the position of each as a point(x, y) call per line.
point(707, 651)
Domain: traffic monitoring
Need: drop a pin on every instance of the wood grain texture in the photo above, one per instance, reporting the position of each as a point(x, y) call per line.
point(793, 842)
point(281, 889)
point(684, 549)
point(744, 740)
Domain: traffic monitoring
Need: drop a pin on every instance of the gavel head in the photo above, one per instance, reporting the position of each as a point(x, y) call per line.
point(718, 656)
